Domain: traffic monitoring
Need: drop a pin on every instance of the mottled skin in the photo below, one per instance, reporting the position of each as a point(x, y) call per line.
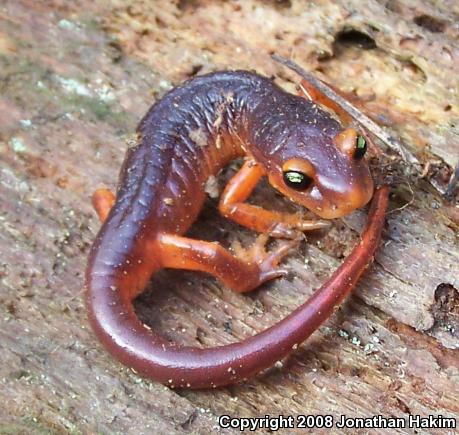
point(190, 134)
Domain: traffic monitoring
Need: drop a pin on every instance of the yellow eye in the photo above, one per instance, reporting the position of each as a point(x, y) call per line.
point(297, 180)
point(298, 174)
point(360, 148)
point(351, 143)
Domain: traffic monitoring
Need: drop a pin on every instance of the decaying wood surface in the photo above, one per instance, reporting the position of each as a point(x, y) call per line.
point(75, 78)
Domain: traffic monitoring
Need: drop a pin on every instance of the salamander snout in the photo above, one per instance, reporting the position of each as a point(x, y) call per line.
point(332, 204)
point(349, 185)
point(332, 180)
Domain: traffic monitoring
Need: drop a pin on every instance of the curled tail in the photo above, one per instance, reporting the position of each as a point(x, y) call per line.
point(109, 300)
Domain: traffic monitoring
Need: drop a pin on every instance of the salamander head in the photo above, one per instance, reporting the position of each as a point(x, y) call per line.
point(326, 172)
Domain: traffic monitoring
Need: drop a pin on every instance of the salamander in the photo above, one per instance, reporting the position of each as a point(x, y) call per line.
point(187, 136)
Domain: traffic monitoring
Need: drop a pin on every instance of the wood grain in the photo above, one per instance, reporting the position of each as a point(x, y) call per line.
point(75, 78)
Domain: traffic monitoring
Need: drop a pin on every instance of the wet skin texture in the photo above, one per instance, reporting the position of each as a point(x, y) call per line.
point(190, 134)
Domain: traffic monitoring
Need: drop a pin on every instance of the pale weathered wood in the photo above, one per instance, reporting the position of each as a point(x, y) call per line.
point(75, 78)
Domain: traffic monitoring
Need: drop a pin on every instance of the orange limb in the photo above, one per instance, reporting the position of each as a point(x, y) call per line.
point(274, 223)
point(309, 91)
point(102, 201)
point(239, 274)
point(242, 273)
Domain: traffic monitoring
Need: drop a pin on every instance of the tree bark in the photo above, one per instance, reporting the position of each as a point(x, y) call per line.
point(76, 77)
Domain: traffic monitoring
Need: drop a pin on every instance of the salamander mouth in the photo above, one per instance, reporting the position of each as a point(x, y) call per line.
point(334, 208)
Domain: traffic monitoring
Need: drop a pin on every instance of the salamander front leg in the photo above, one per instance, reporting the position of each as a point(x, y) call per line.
point(310, 92)
point(240, 274)
point(274, 223)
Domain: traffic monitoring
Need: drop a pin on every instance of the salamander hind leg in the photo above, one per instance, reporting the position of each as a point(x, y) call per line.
point(242, 273)
point(102, 201)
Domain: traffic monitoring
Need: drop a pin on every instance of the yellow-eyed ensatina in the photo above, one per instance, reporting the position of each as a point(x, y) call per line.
point(190, 134)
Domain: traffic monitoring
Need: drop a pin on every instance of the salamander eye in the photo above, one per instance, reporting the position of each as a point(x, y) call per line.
point(351, 144)
point(360, 148)
point(297, 180)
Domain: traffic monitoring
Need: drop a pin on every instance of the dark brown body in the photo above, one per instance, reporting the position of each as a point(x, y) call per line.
point(187, 136)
